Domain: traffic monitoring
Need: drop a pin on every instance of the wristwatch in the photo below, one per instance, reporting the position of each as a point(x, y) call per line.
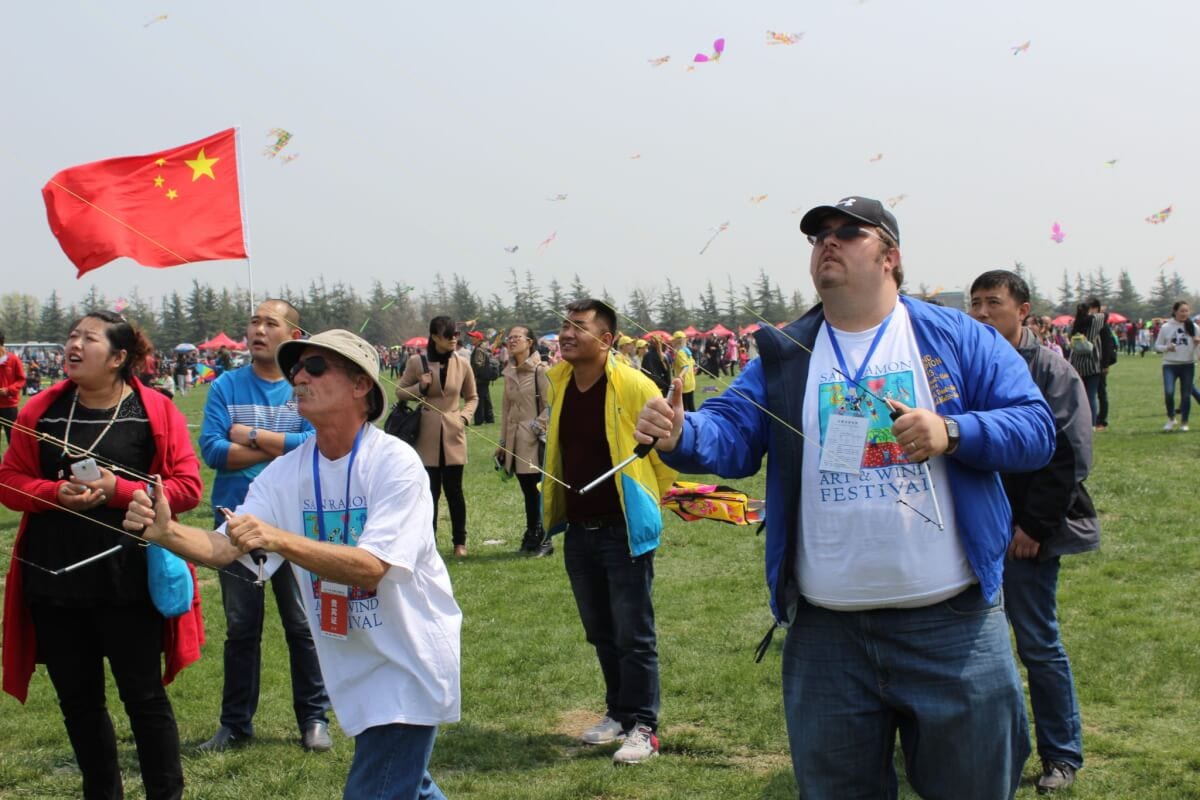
point(951, 435)
point(254, 438)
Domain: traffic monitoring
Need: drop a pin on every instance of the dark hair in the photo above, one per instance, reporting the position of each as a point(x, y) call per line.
point(1, 338)
point(122, 336)
point(604, 312)
point(888, 244)
point(441, 325)
point(1093, 302)
point(528, 331)
point(1083, 320)
point(1018, 289)
point(1188, 325)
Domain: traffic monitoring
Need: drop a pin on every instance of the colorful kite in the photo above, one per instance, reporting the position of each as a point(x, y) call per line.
point(546, 242)
point(718, 48)
point(1057, 234)
point(1161, 216)
point(658, 62)
point(724, 226)
point(756, 199)
point(512, 249)
point(159, 18)
point(896, 200)
point(282, 138)
point(120, 305)
point(1021, 48)
point(876, 157)
point(783, 38)
point(556, 198)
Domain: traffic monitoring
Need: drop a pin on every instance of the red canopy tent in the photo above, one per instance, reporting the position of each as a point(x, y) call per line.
point(751, 328)
point(690, 331)
point(659, 334)
point(720, 330)
point(417, 341)
point(219, 341)
point(1062, 320)
point(1113, 316)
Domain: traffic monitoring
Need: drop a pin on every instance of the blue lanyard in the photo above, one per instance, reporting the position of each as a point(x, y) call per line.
point(837, 351)
point(317, 489)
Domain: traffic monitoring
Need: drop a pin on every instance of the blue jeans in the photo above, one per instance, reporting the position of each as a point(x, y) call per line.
point(1030, 589)
point(942, 675)
point(613, 594)
point(244, 610)
point(1091, 384)
point(1184, 373)
point(391, 762)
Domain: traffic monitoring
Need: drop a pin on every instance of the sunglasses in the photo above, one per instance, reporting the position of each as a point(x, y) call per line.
point(313, 365)
point(844, 233)
point(451, 335)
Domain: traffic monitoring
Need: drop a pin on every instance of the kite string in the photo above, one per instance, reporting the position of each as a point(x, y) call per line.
point(46, 437)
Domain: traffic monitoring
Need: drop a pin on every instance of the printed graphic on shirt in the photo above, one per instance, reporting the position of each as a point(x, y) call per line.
point(364, 605)
point(892, 381)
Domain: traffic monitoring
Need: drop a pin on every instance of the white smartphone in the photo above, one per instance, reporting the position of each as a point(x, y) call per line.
point(86, 470)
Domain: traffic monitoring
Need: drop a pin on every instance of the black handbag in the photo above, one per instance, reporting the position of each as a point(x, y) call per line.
point(404, 421)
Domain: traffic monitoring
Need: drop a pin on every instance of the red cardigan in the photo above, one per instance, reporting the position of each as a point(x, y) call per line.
point(174, 459)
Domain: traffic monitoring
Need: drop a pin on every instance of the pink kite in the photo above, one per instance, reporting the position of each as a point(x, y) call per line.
point(546, 242)
point(718, 48)
point(1160, 216)
point(1057, 234)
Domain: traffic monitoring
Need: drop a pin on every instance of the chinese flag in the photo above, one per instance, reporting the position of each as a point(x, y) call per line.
point(161, 209)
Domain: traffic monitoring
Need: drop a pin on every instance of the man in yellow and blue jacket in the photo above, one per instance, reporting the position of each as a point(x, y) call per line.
point(613, 530)
point(683, 366)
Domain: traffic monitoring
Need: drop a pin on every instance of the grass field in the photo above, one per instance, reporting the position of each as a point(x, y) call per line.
point(531, 683)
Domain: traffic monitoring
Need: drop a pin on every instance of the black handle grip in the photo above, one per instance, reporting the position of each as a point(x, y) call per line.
point(643, 450)
point(258, 555)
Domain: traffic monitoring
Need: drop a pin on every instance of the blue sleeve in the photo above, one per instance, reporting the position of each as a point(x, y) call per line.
point(293, 440)
point(1007, 426)
point(214, 430)
point(728, 435)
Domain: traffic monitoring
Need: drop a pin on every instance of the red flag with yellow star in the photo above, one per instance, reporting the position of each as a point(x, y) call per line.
point(161, 210)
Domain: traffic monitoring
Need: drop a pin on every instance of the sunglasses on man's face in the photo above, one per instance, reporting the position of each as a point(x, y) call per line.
point(313, 365)
point(844, 233)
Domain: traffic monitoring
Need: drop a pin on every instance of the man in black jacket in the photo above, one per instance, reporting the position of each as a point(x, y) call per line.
point(1108, 357)
point(1052, 516)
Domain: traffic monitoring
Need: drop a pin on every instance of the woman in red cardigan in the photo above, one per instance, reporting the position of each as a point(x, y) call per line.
point(72, 621)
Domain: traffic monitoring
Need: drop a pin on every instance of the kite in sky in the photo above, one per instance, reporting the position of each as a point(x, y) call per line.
point(556, 198)
point(876, 157)
point(512, 249)
point(546, 242)
point(658, 62)
point(1161, 216)
point(1168, 260)
point(159, 18)
point(282, 138)
point(291, 158)
point(896, 200)
point(1056, 233)
point(783, 38)
point(718, 48)
point(120, 305)
point(758, 198)
point(724, 226)
point(1112, 162)
point(635, 156)
point(797, 211)
point(1021, 48)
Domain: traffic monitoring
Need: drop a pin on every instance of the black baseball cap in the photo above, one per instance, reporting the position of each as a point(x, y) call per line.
point(863, 209)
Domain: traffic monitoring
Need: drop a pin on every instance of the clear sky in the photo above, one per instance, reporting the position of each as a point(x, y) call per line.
point(430, 135)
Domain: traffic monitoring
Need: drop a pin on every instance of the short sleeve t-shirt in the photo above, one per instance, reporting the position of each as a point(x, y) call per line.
point(400, 660)
point(866, 540)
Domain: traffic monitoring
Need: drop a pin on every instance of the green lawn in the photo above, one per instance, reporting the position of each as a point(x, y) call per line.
point(531, 684)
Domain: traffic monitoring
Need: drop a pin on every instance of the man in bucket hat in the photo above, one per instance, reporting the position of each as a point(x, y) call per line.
point(350, 509)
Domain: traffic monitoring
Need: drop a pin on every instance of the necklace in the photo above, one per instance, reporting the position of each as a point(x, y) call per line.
point(71, 418)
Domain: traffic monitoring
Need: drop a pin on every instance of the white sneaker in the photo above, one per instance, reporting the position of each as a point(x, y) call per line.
point(603, 732)
point(1170, 426)
point(1184, 427)
point(640, 744)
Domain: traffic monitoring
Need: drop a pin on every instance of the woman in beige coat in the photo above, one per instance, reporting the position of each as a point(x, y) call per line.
point(523, 419)
point(442, 442)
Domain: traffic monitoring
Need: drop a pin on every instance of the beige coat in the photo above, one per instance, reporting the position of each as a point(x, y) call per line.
point(519, 409)
point(447, 428)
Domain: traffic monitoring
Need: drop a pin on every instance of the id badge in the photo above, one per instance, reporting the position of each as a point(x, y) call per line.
point(335, 610)
point(845, 441)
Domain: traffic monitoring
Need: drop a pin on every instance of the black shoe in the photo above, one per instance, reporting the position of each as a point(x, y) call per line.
point(529, 541)
point(223, 739)
point(1055, 775)
point(544, 546)
point(315, 737)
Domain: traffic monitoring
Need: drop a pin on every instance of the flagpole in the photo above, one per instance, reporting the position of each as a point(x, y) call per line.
point(237, 145)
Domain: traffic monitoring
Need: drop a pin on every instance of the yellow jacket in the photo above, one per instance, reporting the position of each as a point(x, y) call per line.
point(640, 485)
point(683, 358)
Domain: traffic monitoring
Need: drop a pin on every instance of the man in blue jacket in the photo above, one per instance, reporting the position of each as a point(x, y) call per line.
point(885, 540)
point(250, 418)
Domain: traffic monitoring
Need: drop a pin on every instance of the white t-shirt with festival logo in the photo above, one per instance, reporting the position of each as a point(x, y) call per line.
point(400, 660)
point(866, 540)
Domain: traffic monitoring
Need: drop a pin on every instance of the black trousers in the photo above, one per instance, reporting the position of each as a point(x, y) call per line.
point(533, 506)
point(450, 478)
point(9, 414)
point(484, 413)
point(73, 643)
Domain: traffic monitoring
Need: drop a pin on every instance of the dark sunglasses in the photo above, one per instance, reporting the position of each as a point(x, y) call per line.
point(313, 365)
point(844, 233)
